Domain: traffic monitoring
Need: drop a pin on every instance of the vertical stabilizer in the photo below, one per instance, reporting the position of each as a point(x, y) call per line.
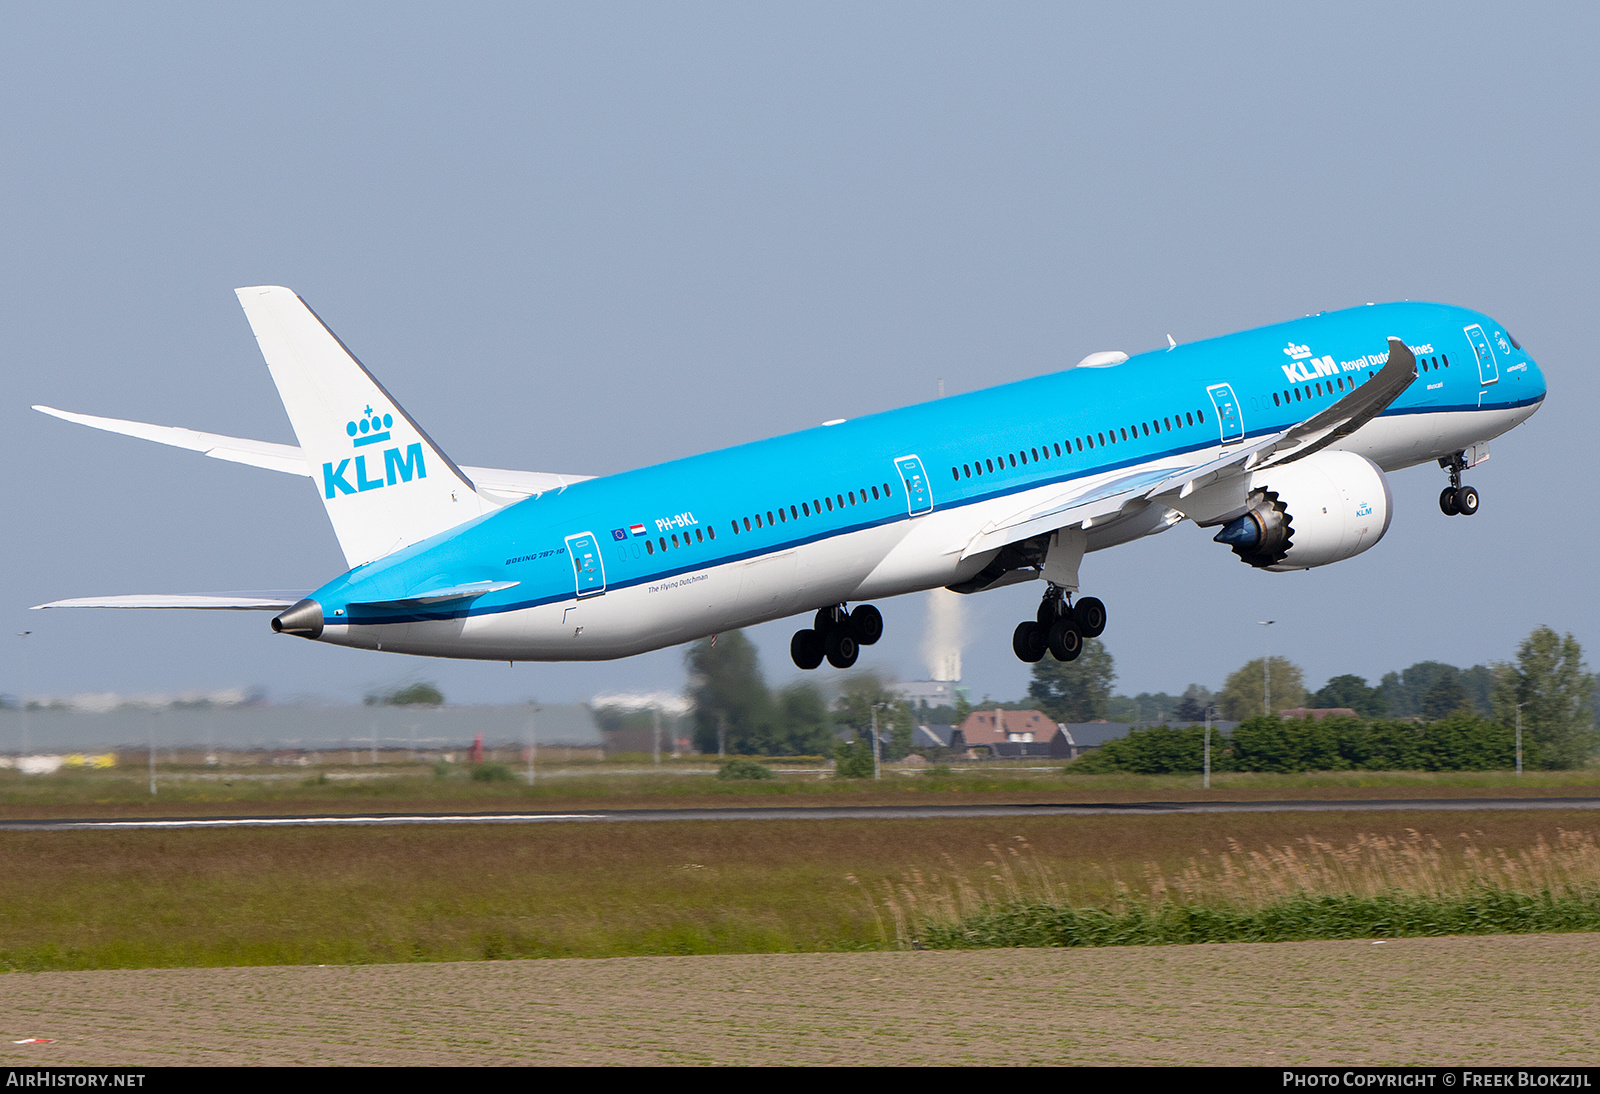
point(385, 483)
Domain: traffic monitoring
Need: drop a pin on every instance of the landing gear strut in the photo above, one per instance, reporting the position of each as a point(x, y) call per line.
point(838, 635)
point(1059, 627)
point(1455, 498)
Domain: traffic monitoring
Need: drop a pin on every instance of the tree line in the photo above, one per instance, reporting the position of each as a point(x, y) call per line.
point(1547, 681)
point(735, 712)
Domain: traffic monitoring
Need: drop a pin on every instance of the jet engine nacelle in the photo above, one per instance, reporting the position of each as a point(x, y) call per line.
point(1325, 508)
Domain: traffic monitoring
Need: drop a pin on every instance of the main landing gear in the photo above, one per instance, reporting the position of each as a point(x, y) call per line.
point(1456, 498)
point(837, 635)
point(1059, 627)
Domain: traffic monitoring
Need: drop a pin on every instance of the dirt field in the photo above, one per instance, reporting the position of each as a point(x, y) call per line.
point(1438, 1001)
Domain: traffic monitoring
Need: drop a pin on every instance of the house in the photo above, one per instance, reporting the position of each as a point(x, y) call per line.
point(1010, 734)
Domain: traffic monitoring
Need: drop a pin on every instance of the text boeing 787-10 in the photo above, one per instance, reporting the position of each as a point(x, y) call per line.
point(1280, 437)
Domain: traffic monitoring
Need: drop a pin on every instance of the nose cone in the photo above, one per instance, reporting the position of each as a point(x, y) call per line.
point(304, 619)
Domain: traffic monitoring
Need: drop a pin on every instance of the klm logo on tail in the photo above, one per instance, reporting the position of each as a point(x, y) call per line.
point(373, 428)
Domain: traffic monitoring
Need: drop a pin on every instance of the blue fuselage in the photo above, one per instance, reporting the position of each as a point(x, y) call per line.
point(838, 500)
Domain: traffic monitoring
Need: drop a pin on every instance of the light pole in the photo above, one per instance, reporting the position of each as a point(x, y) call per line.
point(533, 740)
point(1206, 781)
point(1519, 738)
point(655, 747)
point(1266, 668)
point(876, 771)
point(22, 698)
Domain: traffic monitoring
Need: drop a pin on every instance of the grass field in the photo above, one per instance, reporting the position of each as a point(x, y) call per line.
point(402, 786)
point(95, 900)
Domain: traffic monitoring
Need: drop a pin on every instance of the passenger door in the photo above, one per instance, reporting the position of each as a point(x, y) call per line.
point(1229, 419)
point(1488, 368)
point(919, 496)
point(588, 570)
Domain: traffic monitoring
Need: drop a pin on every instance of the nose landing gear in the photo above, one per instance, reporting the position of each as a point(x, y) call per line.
point(1059, 627)
point(837, 635)
point(1455, 498)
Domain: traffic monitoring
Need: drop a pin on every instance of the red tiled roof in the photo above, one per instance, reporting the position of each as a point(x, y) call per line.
point(987, 727)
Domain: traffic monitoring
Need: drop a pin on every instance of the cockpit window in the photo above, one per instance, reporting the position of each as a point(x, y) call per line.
point(1514, 341)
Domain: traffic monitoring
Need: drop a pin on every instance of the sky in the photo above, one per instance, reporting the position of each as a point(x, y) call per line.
point(587, 238)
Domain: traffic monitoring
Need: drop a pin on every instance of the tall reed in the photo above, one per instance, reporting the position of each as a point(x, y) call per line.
point(1309, 888)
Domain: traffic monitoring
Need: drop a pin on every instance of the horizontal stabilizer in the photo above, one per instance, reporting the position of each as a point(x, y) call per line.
point(289, 459)
point(274, 457)
point(274, 601)
point(470, 591)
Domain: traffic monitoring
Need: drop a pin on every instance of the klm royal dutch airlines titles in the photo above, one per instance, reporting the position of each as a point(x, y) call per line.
point(1280, 438)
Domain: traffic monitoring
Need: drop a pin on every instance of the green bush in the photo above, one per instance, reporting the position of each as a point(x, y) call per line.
point(492, 773)
point(853, 760)
point(1461, 742)
point(744, 769)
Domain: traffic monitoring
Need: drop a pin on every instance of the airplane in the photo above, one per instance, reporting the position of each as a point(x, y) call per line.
point(1281, 438)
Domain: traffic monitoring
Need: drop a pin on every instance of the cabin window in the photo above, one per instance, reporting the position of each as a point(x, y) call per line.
point(1036, 454)
point(783, 518)
point(1167, 422)
point(1058, 450)
point(852, 497)
point(990, 464)
point(649, 548)
point(698, 537)
point(830, 504)
point(1024, 456)
point(712, 532)
point(1102, 438)
point(794, 513)
point(1013, 461)
point(675, 539)
point(1124, 434)
point(746, 524)
point(1446, 357)
point(1080, 444)
point(1318, 388)
point(840, 499)
point(955, 474)
point(806, 509)
point(874, 493)
point(663, 542)
point(886, 491)
point(1275, 399)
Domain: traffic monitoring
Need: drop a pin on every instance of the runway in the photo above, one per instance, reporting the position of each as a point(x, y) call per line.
point(761, 813)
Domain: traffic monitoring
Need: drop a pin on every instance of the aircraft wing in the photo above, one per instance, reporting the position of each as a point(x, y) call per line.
point(1353, 411)
point(291, 460)
point(1085, 503)
point(275, 601)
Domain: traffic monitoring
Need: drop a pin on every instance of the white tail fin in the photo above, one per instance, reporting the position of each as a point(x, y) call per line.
point(385, 483)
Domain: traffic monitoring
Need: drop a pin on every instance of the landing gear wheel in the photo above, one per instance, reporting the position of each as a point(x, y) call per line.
point(841, 648)
point(1447, 502)
point(1467, 500)
point(1090, 615)
point(1028, 642)
point(806, 649)
point(866, 622)
point(1065, 640)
